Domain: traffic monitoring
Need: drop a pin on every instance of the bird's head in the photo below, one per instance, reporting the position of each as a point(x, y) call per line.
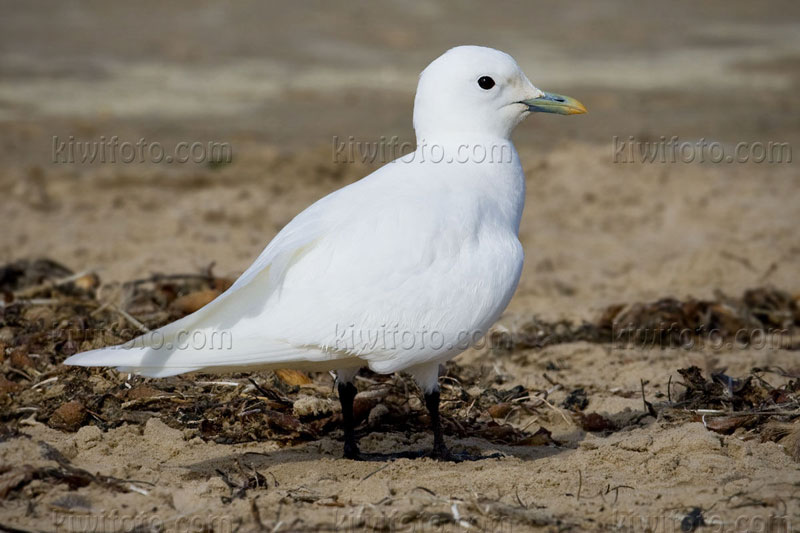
point(477, 91)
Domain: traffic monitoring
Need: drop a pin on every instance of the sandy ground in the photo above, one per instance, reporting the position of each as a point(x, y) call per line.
point(278, 83)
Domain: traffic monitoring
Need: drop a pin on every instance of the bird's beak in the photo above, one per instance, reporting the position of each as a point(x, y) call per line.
point(554, 103)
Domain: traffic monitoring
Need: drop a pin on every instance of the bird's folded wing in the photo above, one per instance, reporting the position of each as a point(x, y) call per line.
point(209, 337)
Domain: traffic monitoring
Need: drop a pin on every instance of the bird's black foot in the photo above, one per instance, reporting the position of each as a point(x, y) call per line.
point(351, 451)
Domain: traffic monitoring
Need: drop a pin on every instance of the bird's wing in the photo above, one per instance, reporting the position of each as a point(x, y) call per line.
point(199, 340)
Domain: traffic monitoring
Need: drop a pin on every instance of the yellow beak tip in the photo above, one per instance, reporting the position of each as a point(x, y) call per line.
point(579, 109)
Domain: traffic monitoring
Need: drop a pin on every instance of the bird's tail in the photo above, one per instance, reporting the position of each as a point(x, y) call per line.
point(189, 345)
point(227, 334)
point(162, 352)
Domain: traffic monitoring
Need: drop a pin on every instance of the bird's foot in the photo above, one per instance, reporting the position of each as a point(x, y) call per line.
point(351, 451)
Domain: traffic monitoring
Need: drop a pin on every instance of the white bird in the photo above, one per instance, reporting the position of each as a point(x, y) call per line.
point(399, 271)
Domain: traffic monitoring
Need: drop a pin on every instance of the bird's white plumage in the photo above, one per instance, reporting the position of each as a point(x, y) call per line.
point(398, 271)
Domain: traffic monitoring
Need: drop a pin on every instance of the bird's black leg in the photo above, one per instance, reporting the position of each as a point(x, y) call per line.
point(347, 394)
point(440, 450)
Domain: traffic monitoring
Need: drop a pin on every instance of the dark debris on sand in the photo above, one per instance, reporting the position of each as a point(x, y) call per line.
point(750, 405)
point(669, 322)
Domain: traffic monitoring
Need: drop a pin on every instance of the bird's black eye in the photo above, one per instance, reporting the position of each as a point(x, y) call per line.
point(485, 83)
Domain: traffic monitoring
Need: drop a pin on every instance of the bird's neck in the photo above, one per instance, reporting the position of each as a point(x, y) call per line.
point(487, 168)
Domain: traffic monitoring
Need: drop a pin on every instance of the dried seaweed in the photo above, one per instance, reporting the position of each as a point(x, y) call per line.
point(669, 322)
point(725, 404)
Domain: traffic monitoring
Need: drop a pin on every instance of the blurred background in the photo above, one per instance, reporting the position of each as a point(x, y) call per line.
point(278, 81)
point(301, 72)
